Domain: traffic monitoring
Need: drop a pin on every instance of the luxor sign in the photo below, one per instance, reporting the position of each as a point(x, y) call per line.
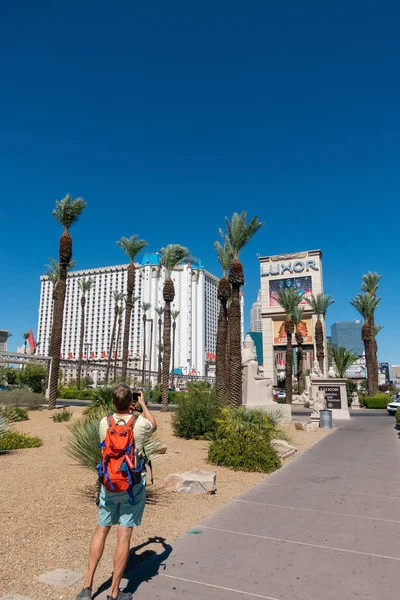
point(296, 266)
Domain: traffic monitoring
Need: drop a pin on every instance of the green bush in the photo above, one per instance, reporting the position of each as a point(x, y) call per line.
point(101, 399)
point(75, 394)
point(22, 397)
point(195, 417)
point(13, 440)
point(242, 441)
point(60, 417)
point(398, 417)
point(12, 414)
point(33, 376)
point(378, 401)
point(156, 396)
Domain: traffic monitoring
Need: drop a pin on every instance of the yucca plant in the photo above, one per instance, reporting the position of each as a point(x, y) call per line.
point(131, 246)
point(289, 299)
point(66, 212)
point(102, 399)
point(225, 258)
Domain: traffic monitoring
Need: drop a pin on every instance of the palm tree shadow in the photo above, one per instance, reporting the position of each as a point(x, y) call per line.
point(141, 567)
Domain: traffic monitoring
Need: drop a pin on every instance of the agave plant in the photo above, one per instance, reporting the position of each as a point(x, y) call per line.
point(101, 403)
point(4, 426)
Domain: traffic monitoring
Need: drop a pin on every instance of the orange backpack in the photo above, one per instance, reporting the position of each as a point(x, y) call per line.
point(116, 468)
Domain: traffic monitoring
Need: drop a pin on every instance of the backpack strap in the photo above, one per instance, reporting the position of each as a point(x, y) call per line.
point(110, 420)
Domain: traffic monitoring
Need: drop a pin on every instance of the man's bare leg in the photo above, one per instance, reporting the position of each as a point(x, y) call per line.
point(95, 553)
point(121, 556)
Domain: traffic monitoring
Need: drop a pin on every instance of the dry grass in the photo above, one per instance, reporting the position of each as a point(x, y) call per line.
point(48, 511)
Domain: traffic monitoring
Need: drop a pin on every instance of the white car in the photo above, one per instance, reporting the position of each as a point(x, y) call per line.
point(393, 406)
point(280, 395)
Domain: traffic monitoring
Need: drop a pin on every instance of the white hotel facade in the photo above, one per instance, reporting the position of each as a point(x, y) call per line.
point(195, 298)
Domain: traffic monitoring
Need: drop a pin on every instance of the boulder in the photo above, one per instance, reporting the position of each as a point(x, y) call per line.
point(283, 449)
point(191, 482)
point(307, 426)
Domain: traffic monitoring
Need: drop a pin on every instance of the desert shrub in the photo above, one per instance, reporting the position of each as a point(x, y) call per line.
point(60, 417)
point(83, 443)
point(156, 396)
point(4, 426)
point(398, 417)
point(101, 399)
point(195, 417)
point(75, 394)
point(13, 440)
point(8, 376)
point(12, 414)
point(22, 397)
point(378, 401)
point(33, 376)
point(351, 387)
point(242, 441)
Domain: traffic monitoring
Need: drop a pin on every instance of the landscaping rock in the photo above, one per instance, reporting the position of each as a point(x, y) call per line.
point(283, 449)
point(60, 577)
point(307, 426)
point(191, 482)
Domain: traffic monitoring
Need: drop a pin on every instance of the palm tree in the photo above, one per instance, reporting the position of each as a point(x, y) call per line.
point(370, 285)
point(343, 359)
point(66, 212)
point(120, 312)
point(225, 258)
point(85, 285)
point(118, 298)
point(366, 305)
point(145, 308)
point(238, 234)
point(297, 318)
point(289, 299)
point(160, 312)
point(175, 315)
point(171, 256)
point(320, 304)
point(131, 246)
point(25, 335)
point(53, 273)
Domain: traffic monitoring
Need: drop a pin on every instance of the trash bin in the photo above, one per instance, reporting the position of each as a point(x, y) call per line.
point(325, 421)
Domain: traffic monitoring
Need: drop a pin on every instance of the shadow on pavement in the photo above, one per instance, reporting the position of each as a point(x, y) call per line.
point(140, 567)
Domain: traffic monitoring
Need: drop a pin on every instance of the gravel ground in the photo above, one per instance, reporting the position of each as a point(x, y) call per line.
point(48, 510)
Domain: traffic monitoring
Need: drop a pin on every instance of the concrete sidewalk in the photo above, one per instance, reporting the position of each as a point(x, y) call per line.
point(326, 527)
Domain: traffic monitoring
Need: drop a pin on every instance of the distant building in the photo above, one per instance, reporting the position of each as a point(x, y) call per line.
point(348, 335)
point(395, 375)
point(255, 315)
point(4, 334)
point(384, 369)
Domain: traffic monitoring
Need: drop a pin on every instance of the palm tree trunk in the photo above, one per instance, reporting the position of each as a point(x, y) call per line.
point(235, 350)
point(78, 377)
point(111, 344)
point(173, 355)
point(369, 356)
point(128, 314)
point(57, 337)
point(116, 348)
point(159, 352)
point(144, 353)
point(289, 369)
point(228, 356)
point(319, 344)
point(221, 350)
point(167, 356)
point(300, 361)
point(374, 356)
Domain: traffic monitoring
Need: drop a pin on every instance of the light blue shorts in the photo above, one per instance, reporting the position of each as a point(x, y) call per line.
point(117, 508)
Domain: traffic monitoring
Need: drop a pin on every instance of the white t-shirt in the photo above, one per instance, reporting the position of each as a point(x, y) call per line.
point(142, 430)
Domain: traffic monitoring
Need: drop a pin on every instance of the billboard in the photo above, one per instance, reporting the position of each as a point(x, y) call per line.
point(301, 284)
point(305, 327)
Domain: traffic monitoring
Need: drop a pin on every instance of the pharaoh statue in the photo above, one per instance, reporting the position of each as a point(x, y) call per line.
point(257, 390)
point(316, 371)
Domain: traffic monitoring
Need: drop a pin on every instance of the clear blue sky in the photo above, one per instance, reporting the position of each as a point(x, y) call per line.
point(167, 116)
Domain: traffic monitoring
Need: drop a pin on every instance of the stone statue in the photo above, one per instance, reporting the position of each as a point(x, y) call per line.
point(256, 389)
point(355, 403)
point(316, 371)
point(331, 372)
point(300, 399)
point(319, 402)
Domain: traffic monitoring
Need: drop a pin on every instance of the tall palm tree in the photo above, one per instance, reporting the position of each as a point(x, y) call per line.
point(120, 312)
point(66, 212)
point(225, 258)
point(238, 234)
point(289, 299)
point(171, 257)
point(53, 273)
point(25, 335)
point(320, 304)
point(160, 312)
point(145, 308)
point(175, 315)
point(343, 359)
point(118, 298)
point(370, 285)
point(366, 305)
point(297, 318)
point(85, 285)
point(131, 246)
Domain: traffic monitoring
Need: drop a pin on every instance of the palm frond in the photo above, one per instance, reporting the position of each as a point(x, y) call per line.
point(53, 269)
point(160, 310)
point(370, 283)
point(377, 329)
point(25, 335)
point(289, 299)
point(365, 304)
point(343, 359)
point(175, 314)
point(320, 304)
point(68, 211)
point(225, 255)
point(118, 296)
point(297, 315)
point(85, 285)
point(145, 306)
point(132, 246)
point(173, 255)
point(238, 232)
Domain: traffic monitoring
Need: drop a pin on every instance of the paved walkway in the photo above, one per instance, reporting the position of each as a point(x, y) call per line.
point(325, 527)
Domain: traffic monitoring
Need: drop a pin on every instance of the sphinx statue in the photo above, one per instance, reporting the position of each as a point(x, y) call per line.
point(256, 389)
point(316, 371)
point(319, 402)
